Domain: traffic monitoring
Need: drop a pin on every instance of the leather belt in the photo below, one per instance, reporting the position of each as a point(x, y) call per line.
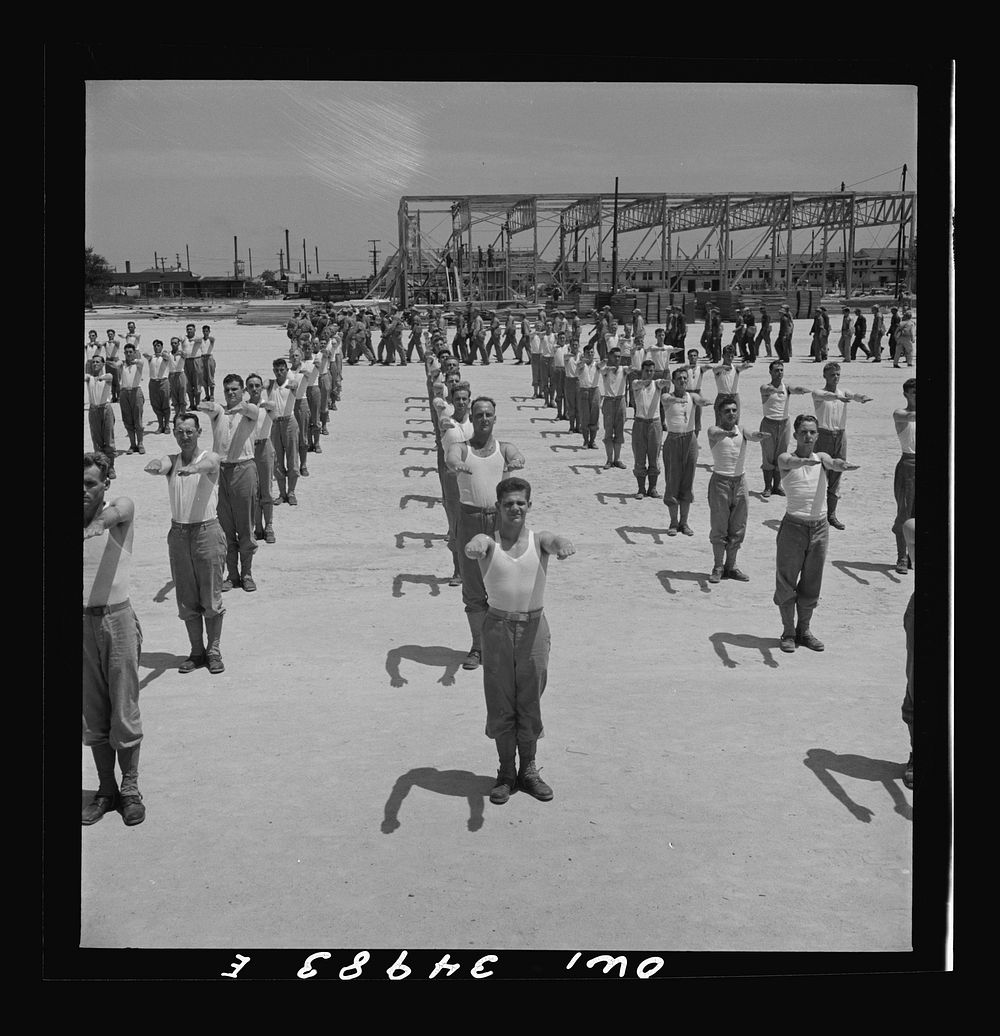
point(499, 613)
point(107, 609)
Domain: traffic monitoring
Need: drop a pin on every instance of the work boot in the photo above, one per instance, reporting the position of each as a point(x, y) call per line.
point(98, 806)
point(834, 521)
point(902, 565)
point(529, 780)
point(506, 783)
point(130, 801)
point(213, 653)
point(652, 491)
point(716, 575)
point(787, 612)
point(908, 772)
point(269, 534)
point(805, 638)
point(641, 492)
point(196, 657)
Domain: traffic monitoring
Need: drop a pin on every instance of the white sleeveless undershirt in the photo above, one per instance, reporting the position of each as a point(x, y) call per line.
point(515, 584)
point(908, 437)
point(805, 491)
point(107, 566)
point(478, 488)
point(193, 498)
point(729, 454)
point(776, 404)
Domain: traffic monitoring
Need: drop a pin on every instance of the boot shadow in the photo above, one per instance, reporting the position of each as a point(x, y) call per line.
point(438, 655)
point(418, 498)
point(889, 571)
point(434, 582)
point(572, 449)
point(701, 578)
point(825, 764)
point(765, 645)
point(161, 594)
point(407, 432)
point(460, 783)
point(534, 420)
point(622, 498)
point(563, 431)
point(427, 537)
point(418, 449)
point(158, 662)
point(773, 524)
point(657, 534)
point(577, 468)
point(424, 472)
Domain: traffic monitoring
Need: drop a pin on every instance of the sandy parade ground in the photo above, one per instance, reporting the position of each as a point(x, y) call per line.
point(331, 787)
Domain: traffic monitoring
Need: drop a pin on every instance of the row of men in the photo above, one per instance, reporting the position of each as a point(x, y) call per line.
point(481, 534)
point(902, 335)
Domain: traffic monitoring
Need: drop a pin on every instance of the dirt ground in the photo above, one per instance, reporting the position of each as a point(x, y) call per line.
point(331, 787)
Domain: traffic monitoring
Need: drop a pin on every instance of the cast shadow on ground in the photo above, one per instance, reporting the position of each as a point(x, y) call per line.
point(407, 432)
point(657, 534)
point(622, 498)
point(889, 571)
point(772, 523)
point(427, 538)
point(527, 399)
point(825, 764)
point(161, 594)
point(418, 449)
point(158, 662)
point(534, 420)
point(424, 472)
point(577, 468)
point(411, 399)
point(418, 498)
point(434, 582)
point(765, 645)
point(424, 407)
point(552, 431)
point(447, 657)
point(418, 420)
point(529, 406)
point(461, 783)
point(573, 449)
point(701, 578)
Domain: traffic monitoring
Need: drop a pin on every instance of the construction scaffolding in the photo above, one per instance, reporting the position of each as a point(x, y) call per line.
point(454, 267)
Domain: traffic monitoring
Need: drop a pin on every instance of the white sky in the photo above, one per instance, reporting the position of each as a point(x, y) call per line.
point(175, 163)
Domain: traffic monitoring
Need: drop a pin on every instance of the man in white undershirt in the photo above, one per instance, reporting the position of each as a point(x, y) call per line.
point(193, 367)
point(571, 384)
point(546, 348)
point(480, 463)
point(558, 375)
point(196, 543)
point(263, 456)
point(727, 378)
point(113, 360)
point(588, 407)
point(455, 427)
point(284, 430)
point(112, 646)
point(727, 491)
point(612, 385)
point(904, 483)
point(208, 361)
point(910, 535)
point(234, 427)
point(647, 427)
point(131, 398)
point(803, 534)
point(680, 450)
point(513, 563)
point(178, 378)
point(99, 384)
point(159, 385)
point(774, 397)
point(305, 370)
point(830, 404)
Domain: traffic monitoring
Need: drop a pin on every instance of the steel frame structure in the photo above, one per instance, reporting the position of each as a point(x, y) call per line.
point(663, 215)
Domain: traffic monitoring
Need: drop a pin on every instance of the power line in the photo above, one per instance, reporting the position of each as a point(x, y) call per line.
point(870, 178)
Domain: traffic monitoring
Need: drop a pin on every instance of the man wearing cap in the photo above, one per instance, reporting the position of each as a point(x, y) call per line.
point(480, 464)
point(416, 340)
point(510, 338)
point(234, 429)
point(100, 414)
point(716, 335)
point(749, 346)
point(112, 645)
point(893, 324)
point(830, 404)
point(860, 327)
point(783, 345)
point(494, 340)
point(764, 334)
point(477, 338)
point(846, 334)
point(513, 564)
point(816, 331)
point(906, 336)
point(196, 544)
point(875, 338)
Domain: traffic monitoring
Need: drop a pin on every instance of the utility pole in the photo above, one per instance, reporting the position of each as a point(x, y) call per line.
point(614, 242)
point(281, 264)
point(845, 248)
point(178, 254)
point(373, 242)
point(236, 260)
point(305, 260)
point(317, 262)
point(187, 252)
point(288, 251)
point(156, 262)
point(250, 256)
point(902, 240)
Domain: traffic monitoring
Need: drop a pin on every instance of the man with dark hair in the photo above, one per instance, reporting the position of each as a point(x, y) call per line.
point(877, 331)
point(647, 427)
point(846, 329)
point(783, 345)
point(208, 361)
point(680, 450)
point(178, 378)
point(588, 407)
point(100, 415)
point(263, 459)
point(612, 386)
point(893, 324)
point(906, 336)
point(131, 400)
point(910, 535)
point(803, 534)
point(284, 430)
point(764, 334)
point(234, 428)
point(727, 491)
point(830, 404)
point(193, 368)
point(904, 483)
point(480, 463)
point(452, 429)
point(513, 564)
point(774, 397)
point(113, 360)
point(159, 385)
point(112, 645)
point(196, 544)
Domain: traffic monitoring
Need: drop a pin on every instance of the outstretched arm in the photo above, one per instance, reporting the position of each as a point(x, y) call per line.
point(788, 461)
point(513, 458)
point(479, 546)
point(208, 465)
point(835, 463)
point(120, 510)
point(551, 543)
point(160, 466)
